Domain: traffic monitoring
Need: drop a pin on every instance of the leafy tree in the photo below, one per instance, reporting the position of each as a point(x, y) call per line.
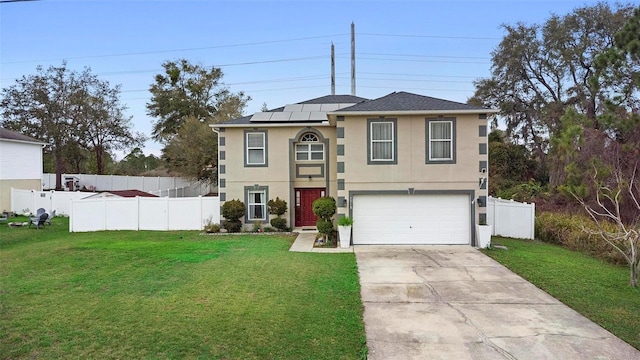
point(538, 71)
point(193, 152)
point(75, 158)
point(187, 90)
point(625, 54)
point(100, 119)
point(69, 111)
point(136, 163)
point(39, 106)
point(510, 164)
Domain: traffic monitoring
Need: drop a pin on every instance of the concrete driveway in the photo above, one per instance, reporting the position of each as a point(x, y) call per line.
point(453, 302)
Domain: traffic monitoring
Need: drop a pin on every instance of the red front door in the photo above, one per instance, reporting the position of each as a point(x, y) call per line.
point(304, 206)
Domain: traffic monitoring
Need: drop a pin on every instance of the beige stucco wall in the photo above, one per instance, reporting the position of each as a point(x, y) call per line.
point(5, 190)
point(411, 170)
point(280, 174)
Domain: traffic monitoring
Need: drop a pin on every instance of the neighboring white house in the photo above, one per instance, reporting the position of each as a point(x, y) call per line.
point(20, 164)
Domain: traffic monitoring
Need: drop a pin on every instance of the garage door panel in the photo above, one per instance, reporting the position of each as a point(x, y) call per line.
point(411, 219)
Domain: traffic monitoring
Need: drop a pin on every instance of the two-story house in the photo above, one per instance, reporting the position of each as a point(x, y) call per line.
point(409, 169)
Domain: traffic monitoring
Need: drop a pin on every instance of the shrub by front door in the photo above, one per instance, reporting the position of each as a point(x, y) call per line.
point(304, 206)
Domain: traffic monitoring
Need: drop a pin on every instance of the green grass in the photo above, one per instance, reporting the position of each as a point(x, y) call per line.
point(595, 289)
point(161, 295)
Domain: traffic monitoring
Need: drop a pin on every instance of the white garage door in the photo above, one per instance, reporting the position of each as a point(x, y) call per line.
point(411, 219)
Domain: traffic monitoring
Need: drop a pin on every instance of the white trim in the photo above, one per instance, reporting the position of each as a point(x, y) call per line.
point(263, 148)
point(413, 112)
point(450, 140)
point(384, 141)
point(309, 151)
point(262, 204)
point(267, 125)
point(25, 142)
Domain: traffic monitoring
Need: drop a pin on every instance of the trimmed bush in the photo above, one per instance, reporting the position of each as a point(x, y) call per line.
point(232, 226)
point(277, 207)
point(324, 207)
point(232, 211)
point(279, 223)
point(572, 231)
point(324, 226)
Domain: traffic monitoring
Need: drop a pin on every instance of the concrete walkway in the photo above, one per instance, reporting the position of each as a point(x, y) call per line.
point(453, 302)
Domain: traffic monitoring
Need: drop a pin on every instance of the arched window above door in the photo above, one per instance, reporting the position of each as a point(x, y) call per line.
point(309, 148)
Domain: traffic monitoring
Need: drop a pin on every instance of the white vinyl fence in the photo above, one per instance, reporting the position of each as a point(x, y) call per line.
point(27, 202)
point(142, 213)
point(511, 218)
point(161, 186)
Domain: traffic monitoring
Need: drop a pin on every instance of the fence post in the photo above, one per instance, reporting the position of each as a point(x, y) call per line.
point(168, 212)
point(201, 219)
point(138, 211)
point(104, 212)
point(71, 216)
point(493, 218)
point(533, 221)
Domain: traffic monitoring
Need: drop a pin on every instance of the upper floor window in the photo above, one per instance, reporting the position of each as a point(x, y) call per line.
point(309, 148)
point(441, 140)
point(382, 141)
point(256, 148)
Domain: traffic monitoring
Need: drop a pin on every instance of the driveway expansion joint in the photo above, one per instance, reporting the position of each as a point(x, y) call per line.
point(552, 334)
point(485, 339)
point(425, 254)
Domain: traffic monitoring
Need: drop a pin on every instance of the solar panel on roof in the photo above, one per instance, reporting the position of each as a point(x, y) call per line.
point(311, 107)
point(300, 116)
point(261, 116)
point(318, 116)
point(280, 116)
point(293, 107)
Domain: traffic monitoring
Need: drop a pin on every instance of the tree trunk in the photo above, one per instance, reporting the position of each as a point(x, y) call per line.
point(59, 169)
point(633, 267)
point(99, 163)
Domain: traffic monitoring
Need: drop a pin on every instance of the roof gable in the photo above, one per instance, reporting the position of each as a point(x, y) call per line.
point(404, 101)
point(7, 134)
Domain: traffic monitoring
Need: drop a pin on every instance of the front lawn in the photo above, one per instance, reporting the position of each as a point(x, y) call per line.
point(595, 289)
point(133, 295)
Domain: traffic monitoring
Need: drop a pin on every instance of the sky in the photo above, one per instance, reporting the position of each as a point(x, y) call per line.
point(277, 52)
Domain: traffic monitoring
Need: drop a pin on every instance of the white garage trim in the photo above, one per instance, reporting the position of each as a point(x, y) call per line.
point(424, 217)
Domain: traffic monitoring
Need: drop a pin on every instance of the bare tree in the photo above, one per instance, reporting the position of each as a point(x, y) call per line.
point(611, 191)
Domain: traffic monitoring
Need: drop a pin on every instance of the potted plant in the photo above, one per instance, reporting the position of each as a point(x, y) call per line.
point(483, 234)
point(344, 229)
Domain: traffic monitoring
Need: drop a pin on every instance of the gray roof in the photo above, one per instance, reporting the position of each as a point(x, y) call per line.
point(328, 99)
point(396, 101)
point(12, 135)
point(238, 121)
point(404, 101)
point(335, 99)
